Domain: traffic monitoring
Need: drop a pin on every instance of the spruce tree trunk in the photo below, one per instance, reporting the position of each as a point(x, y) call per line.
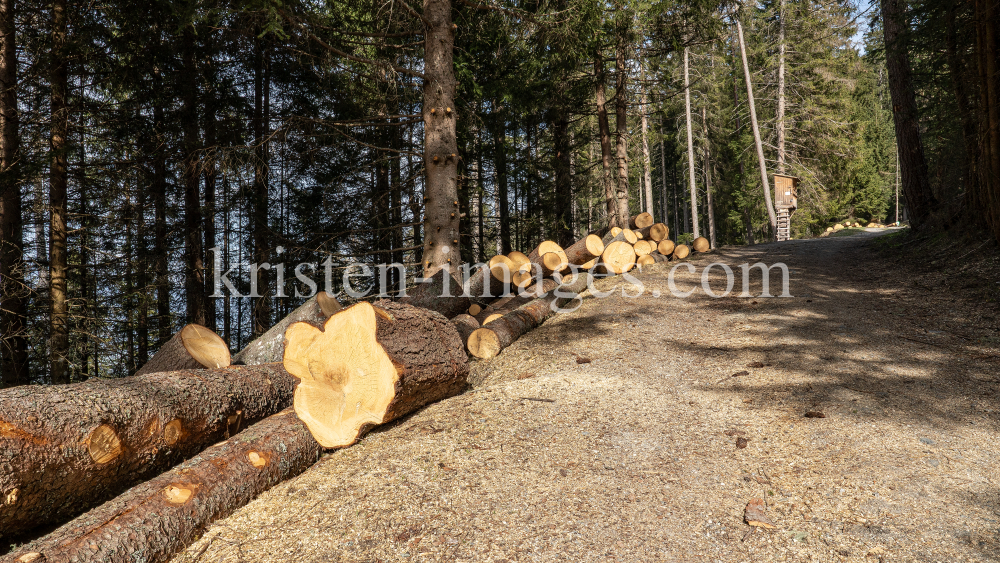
point(621, 129)
point(441, 213)
point(780, 112)
point(563, 232)
point(987, 17)
point(913, 166)
point(261, 320)
point(607, 179)
point(59, 310)
point(647, 167)
point(708, 180)
point(159, 193)
point(209, 166)
point(690, 142)
point(194, 274)
point(13, 343)
point(500, 166)
point(66, 449)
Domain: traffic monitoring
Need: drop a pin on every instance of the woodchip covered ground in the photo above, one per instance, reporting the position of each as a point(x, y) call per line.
point(633, 457)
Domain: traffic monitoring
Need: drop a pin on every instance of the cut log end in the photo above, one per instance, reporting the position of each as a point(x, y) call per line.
point(629, 235)
point(205, 347)
point(645, 260)
point(492, 318)
point(641, 221)
point(681, 251)
point(346, 379)
point(518, 258)
point(618, 257)
point(483, 344)
point(474, 309)
point(701, 244)
point(666, 247)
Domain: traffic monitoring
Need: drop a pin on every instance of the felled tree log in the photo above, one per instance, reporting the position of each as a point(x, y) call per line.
point(442, 293)
point(194, 347)
point(608, 235)
point(641, 221)
point(67, 448)
point(643, 247)
point(655, 232)
point(270, 346)
point(370, 364)
point(658, 258)
point(465, 325)
point(584, 250)
point(644, 260)
point(666, 247)
point(681, 251)
point(618, 257)
point(159, 518)
point(491, 282)
point(701, 244)
point(489, 341)
point(550, 257)
point(518, 258)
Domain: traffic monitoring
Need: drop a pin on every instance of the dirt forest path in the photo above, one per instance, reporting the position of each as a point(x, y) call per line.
point(633, 456)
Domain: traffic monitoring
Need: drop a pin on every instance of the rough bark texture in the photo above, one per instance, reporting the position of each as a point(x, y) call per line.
point(607, 177)
point(58, 170)
point(913, 167)
point(65, 449)
point(427, 353)
point(441, 215)
point(490, 282)
point(194, 273)
point(584, 250)
point(487, 342)
point(153, 521)
point(465, 325)
point(13, 310)
point(176, 354)
point(621, 125)
point(690, 147)
point(270, 347)
point(441, 293)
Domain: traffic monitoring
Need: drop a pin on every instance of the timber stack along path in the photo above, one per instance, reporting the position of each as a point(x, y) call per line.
point(633, 455)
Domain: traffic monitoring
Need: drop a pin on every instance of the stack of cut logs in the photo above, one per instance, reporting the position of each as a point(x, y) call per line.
point(196, 434)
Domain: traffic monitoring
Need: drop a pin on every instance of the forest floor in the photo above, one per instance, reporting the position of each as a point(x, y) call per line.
point(633, 456)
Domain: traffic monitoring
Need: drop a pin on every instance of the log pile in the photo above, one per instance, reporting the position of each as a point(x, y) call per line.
point(67, 449)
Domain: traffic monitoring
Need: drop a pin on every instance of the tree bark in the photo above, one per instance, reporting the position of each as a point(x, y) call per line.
point(487, 342)
point(563, 204)
point(259, 225)
point(690, 143)
point(59, 309)
point(765, 183)
point(987, 17)
point(159, 195)
point(708, 180)
point(194, 272)
point(607, 178)
point(913, 167)
point(584, 250)
point(370, 364)
point(647, 166)
point(270, 346)
point(441, 293)
point(621, 127)
point(500, 169)
point(13, 309)
point(441, 214)
point(780, 112)
point(70, 448)
point(161, 517)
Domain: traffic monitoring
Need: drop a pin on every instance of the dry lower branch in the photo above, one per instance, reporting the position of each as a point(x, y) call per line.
point(156, 519)
point(65, 449)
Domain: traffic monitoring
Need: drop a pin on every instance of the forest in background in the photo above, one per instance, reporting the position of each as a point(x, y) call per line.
point(135, 139)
